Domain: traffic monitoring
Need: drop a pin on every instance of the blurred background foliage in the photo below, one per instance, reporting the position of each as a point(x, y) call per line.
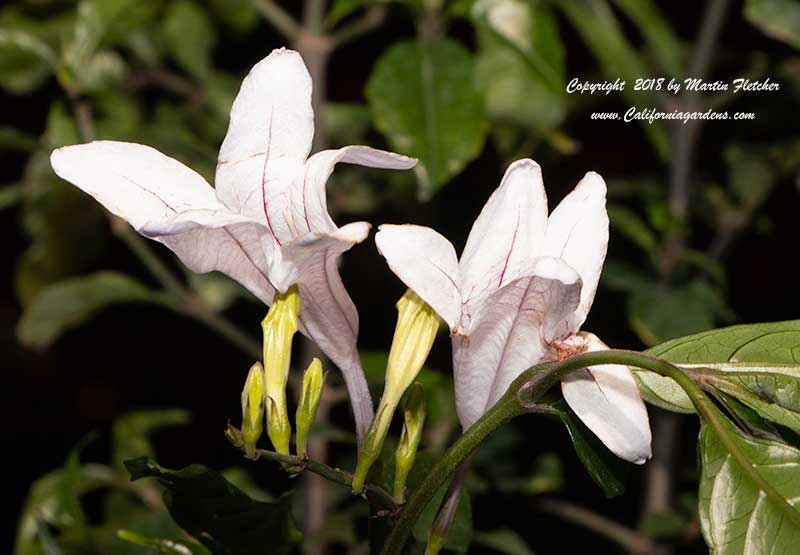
point(703, 234)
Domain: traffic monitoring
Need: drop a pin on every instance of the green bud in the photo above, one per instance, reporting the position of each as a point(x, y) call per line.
point(253, 408)
point(279, 328)
point(313, 383)
point(437, 535)
point(413, 421)
point(417, 325)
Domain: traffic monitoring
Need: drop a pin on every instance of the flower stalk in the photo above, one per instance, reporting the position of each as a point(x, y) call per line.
point(524, 394)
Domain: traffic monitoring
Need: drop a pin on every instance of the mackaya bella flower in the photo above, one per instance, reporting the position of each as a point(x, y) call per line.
point(518, 296)
point(266, 224)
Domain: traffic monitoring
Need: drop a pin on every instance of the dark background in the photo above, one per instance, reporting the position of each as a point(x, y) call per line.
point(134, 356)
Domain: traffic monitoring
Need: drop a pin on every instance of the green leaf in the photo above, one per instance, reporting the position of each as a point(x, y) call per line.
point(46, 540)
point(425, 98)
point(44, 502)
point(25, 61)
point(240, 15)
point(59, 248)
point(70, 488)
point(621, 275)
point(661, 40)
point(341, 9)
point(131, 432)
point(772, 391)
point(547, 476)
point(736, 514)
point(598, 26)
point(759, 357)
point(10, 195)
point(346, 123)
point(629, 224)
point(73, 302)
point(515, 92)
point(598, 461)
point(219, 514)
point(665, 524)
point(99, 24)
point(15, 139)
point(217, 291)
point(662, 312)
point(530, 31)
point(503, 540)
point(780, 19)
point(190, 37)
point(162, 545)
point(750, 175)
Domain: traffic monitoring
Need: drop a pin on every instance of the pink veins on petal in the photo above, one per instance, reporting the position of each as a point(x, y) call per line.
point(510, 250)
point(264, 178)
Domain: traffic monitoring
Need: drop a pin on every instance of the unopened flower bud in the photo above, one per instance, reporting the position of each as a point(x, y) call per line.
point(279, 328)
point(313, 383)
point(414, 414)
point(417, 324)
point(253, 408)
point(437, 535)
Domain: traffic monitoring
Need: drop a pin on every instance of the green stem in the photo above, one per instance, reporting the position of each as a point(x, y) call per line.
point(631, 540)
point(314, 16)
point(225, 328)
point(374, 492)
point(187, 304)
point(149, 260)
point(371, 20)
point(525, 393)
point(506, 408)
point(278, 17)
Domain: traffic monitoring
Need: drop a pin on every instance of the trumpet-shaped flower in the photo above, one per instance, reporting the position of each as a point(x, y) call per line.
point(266, 223)
point(518, 297)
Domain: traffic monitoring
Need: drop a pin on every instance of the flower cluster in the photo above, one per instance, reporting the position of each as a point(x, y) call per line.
point(517, 296)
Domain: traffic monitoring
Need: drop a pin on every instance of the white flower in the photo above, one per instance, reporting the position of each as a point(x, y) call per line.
point(518, 296)
point(266, 224)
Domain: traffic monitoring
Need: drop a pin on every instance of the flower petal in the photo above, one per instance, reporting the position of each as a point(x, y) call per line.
point(607, 400)
point(133, 181)
point(213, 240)
point(327, 314)
point(577, 231)
point(268, 140)
point(511, 335)
point(426, 262)
point(309, 205)
point(506, 236)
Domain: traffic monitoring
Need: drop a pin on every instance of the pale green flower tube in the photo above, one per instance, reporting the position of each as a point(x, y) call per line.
point(417, 324)
point(279, 327)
